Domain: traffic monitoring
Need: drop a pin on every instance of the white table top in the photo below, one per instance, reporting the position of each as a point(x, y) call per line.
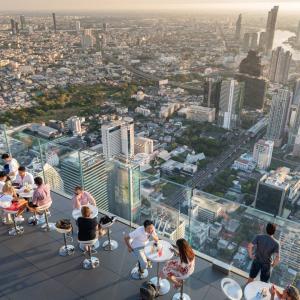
point(26, 195)
point(167, 254)
point(76, 213)
point(255, 287)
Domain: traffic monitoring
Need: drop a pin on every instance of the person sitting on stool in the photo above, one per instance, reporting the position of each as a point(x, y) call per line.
point(41, 196)
point(82, 197)
point(140, 238)
point(87, 226)
point(181, 267)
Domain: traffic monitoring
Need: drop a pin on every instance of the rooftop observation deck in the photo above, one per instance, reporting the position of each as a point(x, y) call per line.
point(31, 268)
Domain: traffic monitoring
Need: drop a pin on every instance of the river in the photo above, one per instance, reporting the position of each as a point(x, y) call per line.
point(280, 37)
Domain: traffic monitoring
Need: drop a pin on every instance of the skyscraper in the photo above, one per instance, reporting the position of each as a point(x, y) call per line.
point(272, 192)
point(280, 65)
point(22, 21)
point(250, 70)
point(118, 138)
point(298, 35)
point(253, 40)
point(124, 190)
point(231, 100)
point(262, 41)
point(246, 41)
point(104, 27)
point(212, 89)
point(88, 169)
point(77, 26)
point(17, 27)
point(278, 116)
point(13, 27)
point(87, 39)
point(262, 153)
point(294, 116)
point(54, 22)
point(238, 28)
point(74, 125)
point(270, 29)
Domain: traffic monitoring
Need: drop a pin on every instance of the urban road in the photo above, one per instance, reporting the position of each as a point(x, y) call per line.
point(206, 176)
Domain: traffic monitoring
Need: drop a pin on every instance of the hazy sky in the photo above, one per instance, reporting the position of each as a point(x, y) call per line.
point(195, 5)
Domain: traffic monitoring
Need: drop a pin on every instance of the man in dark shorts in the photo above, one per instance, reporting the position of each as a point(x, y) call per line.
point(267, 254)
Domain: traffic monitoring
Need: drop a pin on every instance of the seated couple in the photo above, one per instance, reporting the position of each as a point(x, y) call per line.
point(88, 227)
point(176, 269)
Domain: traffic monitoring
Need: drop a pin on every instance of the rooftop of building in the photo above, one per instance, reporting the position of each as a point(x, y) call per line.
point(31, 267)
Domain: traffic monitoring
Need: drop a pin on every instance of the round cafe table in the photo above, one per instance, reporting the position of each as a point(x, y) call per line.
point(76, 213)
point(162, 285)
point(253, 289)
point(23, 194)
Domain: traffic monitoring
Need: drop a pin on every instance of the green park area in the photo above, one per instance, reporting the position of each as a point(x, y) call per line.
point(203, 137)
point(61, 103)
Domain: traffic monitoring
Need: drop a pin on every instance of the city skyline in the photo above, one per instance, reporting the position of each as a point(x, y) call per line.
point(134, 5)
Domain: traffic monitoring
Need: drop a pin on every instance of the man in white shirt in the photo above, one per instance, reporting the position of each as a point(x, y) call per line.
point(24, 178)
point(3, 178)
point(11, 167)
point(137, 240)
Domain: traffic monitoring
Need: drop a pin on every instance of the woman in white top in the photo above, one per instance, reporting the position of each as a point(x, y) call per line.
point(12, 165)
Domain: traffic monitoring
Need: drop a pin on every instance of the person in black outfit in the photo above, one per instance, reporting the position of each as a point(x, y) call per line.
point(266, 256)
point(87, 226)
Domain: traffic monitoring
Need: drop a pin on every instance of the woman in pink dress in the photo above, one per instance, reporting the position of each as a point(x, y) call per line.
point(176, 270)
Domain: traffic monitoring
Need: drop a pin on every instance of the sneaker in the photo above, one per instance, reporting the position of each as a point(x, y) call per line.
point(19, 219)
point(149, 264)
point(32, 221)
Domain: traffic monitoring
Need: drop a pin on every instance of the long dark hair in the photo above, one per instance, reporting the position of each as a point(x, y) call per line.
point(186, 252)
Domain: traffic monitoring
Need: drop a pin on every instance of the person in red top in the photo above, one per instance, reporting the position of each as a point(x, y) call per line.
point(41, 196)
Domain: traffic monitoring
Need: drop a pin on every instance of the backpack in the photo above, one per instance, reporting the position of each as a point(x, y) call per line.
point(106, 219)
point(148, 291)
point(64, 224)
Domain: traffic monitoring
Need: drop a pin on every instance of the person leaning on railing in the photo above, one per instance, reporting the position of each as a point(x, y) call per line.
point(289, 293)
point(267, 247)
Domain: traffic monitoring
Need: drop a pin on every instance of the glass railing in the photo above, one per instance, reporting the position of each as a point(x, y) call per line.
point(216, 228)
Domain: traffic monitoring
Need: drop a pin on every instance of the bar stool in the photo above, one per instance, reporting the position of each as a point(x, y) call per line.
point(109, 245)
point(91, 262)
point(65, 250)
point(181, 295)
point(231, 289)
point(16, 230)
point(43, 209)
point(137, 274)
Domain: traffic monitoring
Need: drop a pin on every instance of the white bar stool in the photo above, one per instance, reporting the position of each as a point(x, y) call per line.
point(65, 250)
point(17, 229)
point(91, 262)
